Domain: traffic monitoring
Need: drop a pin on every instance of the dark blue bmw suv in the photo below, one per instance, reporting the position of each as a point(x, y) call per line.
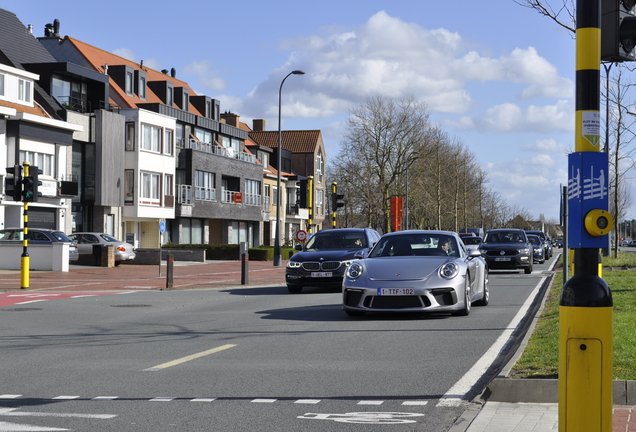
point(326, 256)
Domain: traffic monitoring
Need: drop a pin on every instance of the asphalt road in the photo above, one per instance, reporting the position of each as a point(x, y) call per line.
point(245, 358)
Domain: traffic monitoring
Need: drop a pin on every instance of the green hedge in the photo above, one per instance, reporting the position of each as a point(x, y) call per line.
point(229, 252)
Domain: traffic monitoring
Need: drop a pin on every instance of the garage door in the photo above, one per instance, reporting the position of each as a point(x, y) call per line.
point(42, 218)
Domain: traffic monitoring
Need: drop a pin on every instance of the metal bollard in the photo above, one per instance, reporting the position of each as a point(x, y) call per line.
point(169, 272)
point(244, 264)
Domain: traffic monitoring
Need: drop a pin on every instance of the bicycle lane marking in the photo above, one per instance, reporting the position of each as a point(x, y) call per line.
point(12, 299)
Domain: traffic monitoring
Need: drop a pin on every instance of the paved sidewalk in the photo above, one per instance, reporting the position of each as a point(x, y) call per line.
point(539, 417)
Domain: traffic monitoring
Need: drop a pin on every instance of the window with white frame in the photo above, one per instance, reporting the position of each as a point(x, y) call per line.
point(319, 167)
point(41, 160)
point(151, 138)
point(203, 135)
point(25, 92)
point(204, 186)
point(1, 84)
point(319, 202)
point(252, 192)
point(167, 185)
point(150, 187)
point(168, 141)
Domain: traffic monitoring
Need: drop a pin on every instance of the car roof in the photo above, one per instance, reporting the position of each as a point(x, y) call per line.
point(453, 233)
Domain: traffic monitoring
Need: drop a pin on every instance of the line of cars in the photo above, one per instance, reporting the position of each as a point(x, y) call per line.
point(412, 271)
point(79, 242)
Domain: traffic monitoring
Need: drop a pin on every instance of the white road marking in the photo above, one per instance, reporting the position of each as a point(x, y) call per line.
point(416, 403)
point(370, 402)
point(101, 398)
point(454, 396)
point(65, 397)
point(307, 401)
point(9, 396)
point(203, 400)
point(12, 412)
point(14, 427)
point(162, 399)
point(263, 400)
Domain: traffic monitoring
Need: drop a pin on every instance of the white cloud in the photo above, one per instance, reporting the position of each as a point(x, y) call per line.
point(126, 53)
point(205, 76)
point(391, 57)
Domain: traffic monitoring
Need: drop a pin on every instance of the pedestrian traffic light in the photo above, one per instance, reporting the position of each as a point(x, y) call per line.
point(618, 30)
point(13, 185)
point(301, 194)
point(30, 185)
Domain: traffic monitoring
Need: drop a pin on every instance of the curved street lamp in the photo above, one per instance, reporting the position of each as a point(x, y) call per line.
point(277, 252)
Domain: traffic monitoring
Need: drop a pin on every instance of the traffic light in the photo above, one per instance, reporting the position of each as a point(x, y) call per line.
point(335, 198)
point(13, 185)
point(618, 30)
point(301, 194)
point(30, 185)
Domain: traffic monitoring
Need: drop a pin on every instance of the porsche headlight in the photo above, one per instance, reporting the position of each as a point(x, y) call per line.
point(346, 263)
point(354, 271)
point(449, 270)
point(293, 264)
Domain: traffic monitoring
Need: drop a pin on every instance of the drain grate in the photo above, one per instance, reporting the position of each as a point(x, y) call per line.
point(131, 305)
point(20, 309)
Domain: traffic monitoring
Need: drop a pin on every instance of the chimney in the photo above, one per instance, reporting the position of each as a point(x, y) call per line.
point(30, 28)
point(173, 73)
point(231, 118)
point(258, 125)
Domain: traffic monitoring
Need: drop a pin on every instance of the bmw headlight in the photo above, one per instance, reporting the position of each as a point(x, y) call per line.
point(354, 271)
point(293, 264)
point(449, 270)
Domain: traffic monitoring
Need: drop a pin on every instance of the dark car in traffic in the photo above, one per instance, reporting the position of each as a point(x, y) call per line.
point(326, 256)
point(507, 249)
point(547, 244)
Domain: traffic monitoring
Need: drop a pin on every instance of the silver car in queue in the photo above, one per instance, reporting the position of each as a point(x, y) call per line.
point(416, 271)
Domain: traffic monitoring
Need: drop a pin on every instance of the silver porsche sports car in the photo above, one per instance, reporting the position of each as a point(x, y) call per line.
point(416, 271)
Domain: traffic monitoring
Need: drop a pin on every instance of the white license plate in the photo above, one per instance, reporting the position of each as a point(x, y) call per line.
point(321, 274)
point(396, 291)
point(502, 259)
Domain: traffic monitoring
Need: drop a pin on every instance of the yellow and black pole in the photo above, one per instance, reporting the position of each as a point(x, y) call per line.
point(334, 207)
point(310, 204)
point(586, 308)
point(24, 259)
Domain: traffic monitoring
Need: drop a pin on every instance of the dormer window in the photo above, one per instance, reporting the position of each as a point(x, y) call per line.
point(169, 96)
point(129, 83)
point(25, 92)
point(140, 84)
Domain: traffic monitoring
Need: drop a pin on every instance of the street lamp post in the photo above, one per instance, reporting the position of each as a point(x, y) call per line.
point(277, 253)
point(411, 157)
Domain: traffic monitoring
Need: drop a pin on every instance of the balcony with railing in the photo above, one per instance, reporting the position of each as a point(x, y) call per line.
point(184, 194)
point(216, 149)
point(204, 193)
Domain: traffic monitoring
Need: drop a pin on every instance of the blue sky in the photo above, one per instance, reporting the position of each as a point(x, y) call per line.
point(495, 75)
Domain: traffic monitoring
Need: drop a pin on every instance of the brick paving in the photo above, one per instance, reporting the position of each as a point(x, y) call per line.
point(212, 274)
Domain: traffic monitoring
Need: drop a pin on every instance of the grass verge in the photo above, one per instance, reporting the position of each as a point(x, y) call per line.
point(540, 358)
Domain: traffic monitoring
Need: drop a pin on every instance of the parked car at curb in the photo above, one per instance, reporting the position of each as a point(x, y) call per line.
point(538, 250)
point(326, 256)
point(416, 271)
point(40, 236)
point(507, 249)
point(86, 240)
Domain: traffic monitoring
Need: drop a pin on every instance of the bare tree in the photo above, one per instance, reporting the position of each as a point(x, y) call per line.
point(564, 15)
point(381, 135)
